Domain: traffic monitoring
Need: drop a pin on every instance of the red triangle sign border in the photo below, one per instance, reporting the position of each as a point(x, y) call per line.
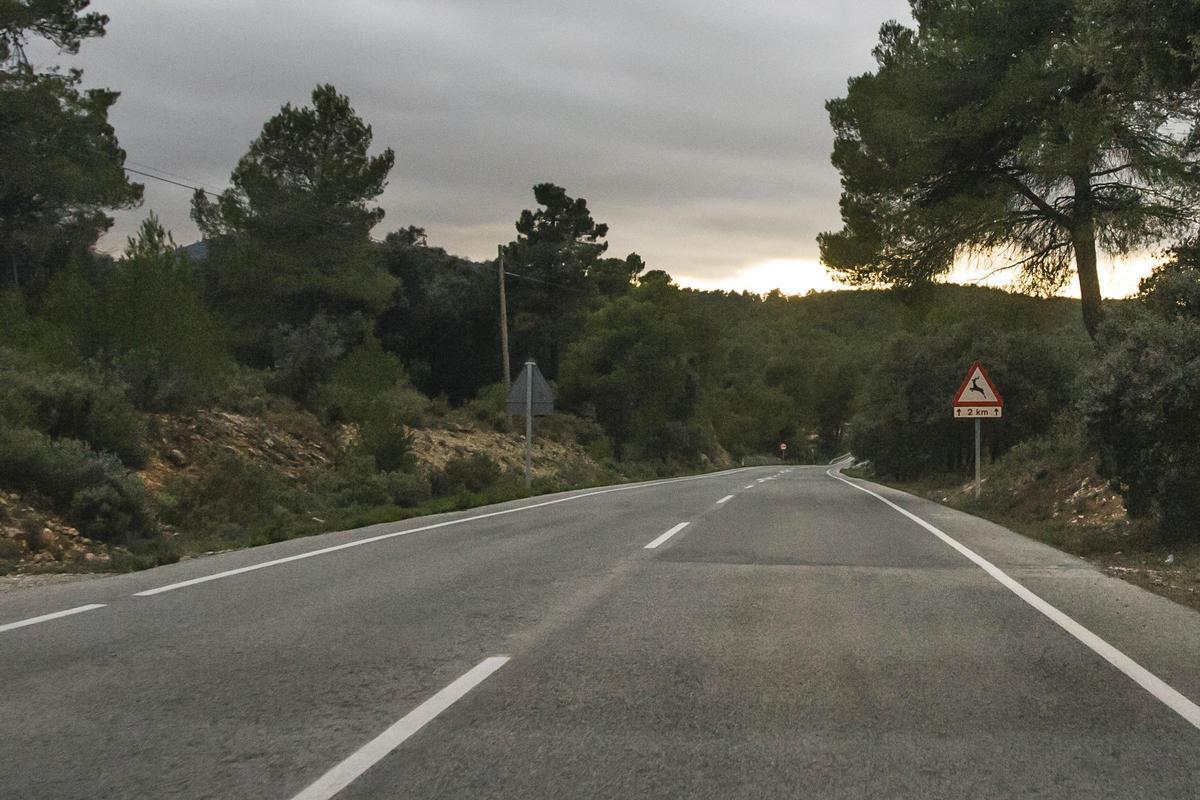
point(959, 402)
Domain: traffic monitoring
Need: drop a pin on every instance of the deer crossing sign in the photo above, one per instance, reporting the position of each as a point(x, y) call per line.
point(977, 396)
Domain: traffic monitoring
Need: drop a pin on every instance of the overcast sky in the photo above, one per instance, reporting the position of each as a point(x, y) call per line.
point(695, 128)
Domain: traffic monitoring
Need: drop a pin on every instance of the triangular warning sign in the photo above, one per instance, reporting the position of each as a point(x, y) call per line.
point(978, 390)
point(530, 385)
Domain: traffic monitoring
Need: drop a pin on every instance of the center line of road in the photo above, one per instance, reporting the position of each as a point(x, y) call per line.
point(725, 499)
point(1139, 674)
point(665, 536)
point(375, 750)
point(47, 617)
point(370, 540)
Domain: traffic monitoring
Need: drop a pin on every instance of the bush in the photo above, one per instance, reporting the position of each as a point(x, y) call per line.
point(473, 473)
point(1142, 401)
point(489, 407)
point(365, 373)
point(73, 406)
point(1143, 416)
point(233, 492)
point(305, 357)
point(383, 430)
point(355, 483)
point(92, 490)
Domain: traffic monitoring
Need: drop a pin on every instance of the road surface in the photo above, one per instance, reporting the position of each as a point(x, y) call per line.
point(797, 637)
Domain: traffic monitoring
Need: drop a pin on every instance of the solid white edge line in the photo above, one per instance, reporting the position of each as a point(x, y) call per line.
point(372, 539)
point(377, 749)
point(47, 617)
point(666, 536)
point(725, 499)
point(1136, 672)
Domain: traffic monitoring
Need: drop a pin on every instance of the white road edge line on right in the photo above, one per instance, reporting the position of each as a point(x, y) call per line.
point(47, 617)
point(229, 573)
point(1135, 671)
point(374, 751)
point(653, 545)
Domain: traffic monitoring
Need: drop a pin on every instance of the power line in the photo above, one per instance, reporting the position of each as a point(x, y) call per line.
point(172, 182)
point(303, 215)
point(547, 283)
point(172, 174)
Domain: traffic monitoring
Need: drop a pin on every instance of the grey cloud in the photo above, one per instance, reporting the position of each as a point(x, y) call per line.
point(695, 129)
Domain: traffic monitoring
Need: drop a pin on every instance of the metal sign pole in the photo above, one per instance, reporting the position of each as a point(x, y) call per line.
point(529, 366)
point(977, 436)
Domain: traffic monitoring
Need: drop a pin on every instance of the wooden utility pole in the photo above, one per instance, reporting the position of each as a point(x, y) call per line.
point(503, 322)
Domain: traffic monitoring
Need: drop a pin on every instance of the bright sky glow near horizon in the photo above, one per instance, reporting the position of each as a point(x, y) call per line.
point(695, 128)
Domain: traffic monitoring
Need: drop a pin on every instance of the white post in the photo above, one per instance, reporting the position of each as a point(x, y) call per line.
point(977, 480)
point(529, 367)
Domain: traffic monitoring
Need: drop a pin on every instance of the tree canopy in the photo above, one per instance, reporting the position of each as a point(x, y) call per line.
point(291, 237)
point(1015, 129)
point(558, 274)
point(60, 165)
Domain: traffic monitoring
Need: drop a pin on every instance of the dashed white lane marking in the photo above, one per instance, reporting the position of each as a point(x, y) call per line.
point(47, 617)
point(751, 486)
point(666, 536)
point(375, 750)
point(229, 573)
point(725, 499)
point(1139, 674)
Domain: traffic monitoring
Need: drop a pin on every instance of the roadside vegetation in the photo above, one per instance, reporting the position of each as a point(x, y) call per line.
point(304, 368)
point(1040, 135)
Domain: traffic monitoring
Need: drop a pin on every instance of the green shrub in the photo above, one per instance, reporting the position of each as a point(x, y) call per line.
point(383, 431)
point(305, 357)
point(232, 493)
point(355, 483)
point(489, 407)
point(73, 406)
point(473, 473)
point(1142, 399)
point(1143, 415)
point(367, 372)
point(92, 490)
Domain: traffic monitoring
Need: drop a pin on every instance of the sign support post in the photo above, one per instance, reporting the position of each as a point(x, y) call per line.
point(978, 436)
point(529, 367)
point(530, 395)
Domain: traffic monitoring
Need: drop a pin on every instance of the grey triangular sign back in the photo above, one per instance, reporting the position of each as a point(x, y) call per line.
point(543, 395)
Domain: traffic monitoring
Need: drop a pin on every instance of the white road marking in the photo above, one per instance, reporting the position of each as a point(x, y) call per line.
point(47, 617)
point(665, 536)
point(1139, 674)
point(229, 573)
point(725, 499)
point(375, 750)
point(751, 486)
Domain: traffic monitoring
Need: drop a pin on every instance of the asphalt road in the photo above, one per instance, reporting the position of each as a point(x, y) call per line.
point(802, 638)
